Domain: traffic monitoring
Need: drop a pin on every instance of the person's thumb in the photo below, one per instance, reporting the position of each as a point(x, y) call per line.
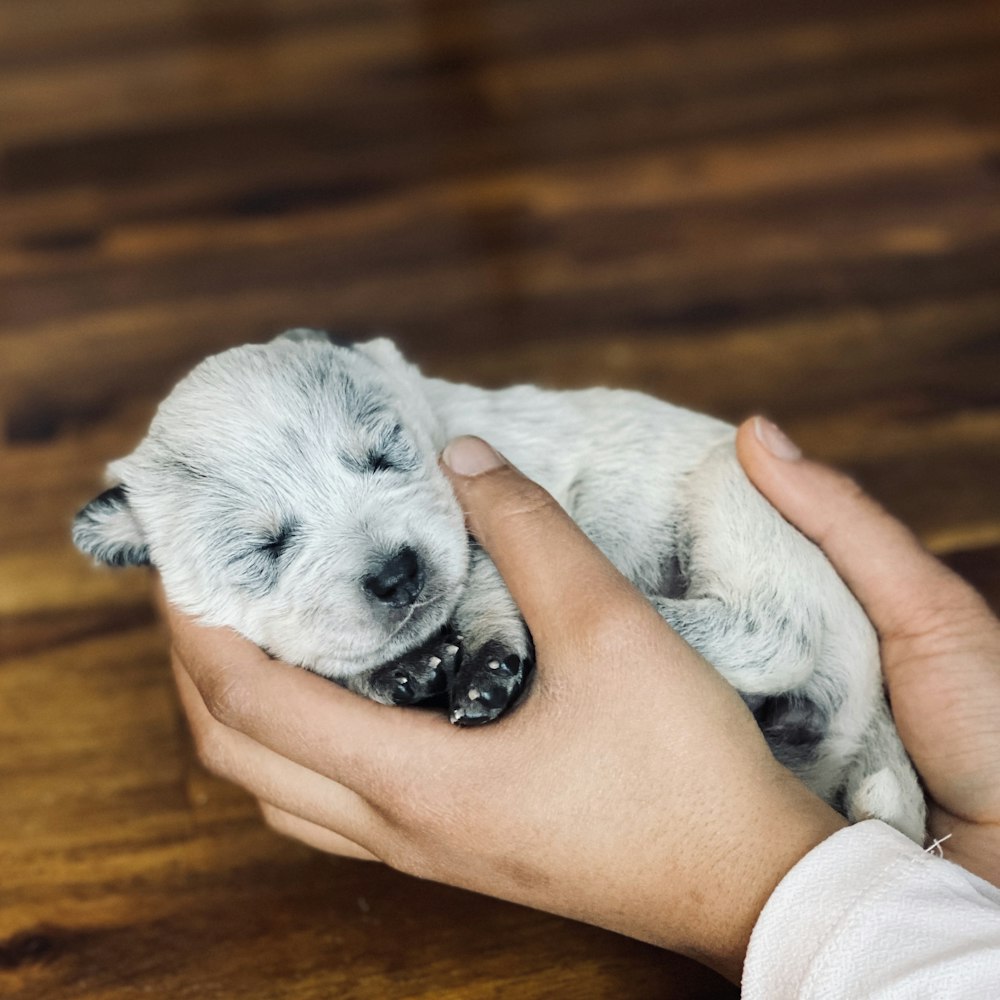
point(897, 581)
point(548, 564)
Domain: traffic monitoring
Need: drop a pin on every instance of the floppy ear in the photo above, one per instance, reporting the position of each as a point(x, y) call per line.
point(385, 354)
point(107, 530)
point(302, 334)
point(411, 387)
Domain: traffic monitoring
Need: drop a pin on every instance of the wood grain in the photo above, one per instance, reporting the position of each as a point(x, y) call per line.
point(787, 207)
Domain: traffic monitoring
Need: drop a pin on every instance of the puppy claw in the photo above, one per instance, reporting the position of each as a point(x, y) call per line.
point(487, 685)
point(425, 674)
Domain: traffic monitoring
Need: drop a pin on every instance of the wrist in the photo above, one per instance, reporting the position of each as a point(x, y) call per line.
point(974, 846)
point(774, 839)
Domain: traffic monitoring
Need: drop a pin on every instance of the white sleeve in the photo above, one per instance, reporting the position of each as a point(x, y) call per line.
point(868, 914)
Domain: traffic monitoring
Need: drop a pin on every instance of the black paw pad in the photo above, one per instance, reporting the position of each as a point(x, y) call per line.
point(421, 675)
point(487, 685)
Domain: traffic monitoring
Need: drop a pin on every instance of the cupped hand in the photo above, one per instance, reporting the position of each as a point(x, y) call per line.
point(631, 789)
point(940, 643)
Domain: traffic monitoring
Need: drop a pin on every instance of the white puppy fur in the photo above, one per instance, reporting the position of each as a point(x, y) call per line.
point(291, 491)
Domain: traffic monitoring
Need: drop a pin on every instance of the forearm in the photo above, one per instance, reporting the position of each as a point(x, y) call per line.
point(759, 859)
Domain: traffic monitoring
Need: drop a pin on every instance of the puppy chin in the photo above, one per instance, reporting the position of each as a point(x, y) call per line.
point(396, 645)
point(421, 627)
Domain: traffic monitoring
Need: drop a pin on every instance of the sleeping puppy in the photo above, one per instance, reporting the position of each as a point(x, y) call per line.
point(291, 491)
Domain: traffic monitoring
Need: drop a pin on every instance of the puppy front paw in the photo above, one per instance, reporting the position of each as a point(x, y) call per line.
point(488, 683)
point(421, 675)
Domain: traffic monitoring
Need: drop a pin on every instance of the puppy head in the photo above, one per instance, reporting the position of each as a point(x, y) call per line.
point(291, 491)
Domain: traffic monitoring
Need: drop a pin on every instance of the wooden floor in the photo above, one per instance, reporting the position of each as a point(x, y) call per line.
point(782, 206)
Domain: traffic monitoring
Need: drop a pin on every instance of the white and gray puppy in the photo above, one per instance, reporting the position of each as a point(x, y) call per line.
point(291, 491)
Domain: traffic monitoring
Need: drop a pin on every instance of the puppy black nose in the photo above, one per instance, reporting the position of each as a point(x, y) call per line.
point(399, 580)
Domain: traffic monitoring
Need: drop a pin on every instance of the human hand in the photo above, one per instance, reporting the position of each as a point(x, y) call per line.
point(940, 643)
point(631, 789)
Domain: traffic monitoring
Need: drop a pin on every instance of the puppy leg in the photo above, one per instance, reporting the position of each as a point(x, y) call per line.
point(423, 674)
point(881, 783)
point(767, 610)
point(497, 654)
point(761, 648)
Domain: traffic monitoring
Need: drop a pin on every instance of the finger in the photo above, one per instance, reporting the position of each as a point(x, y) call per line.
point(896, 580)
point(283, 784)
point(371, 749)
point(547, 562)
point(266, 775)
point(312, 834)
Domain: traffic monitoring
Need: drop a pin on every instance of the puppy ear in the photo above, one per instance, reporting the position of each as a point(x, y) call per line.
point(384, 353)
point(108, 530)
point(303, 334)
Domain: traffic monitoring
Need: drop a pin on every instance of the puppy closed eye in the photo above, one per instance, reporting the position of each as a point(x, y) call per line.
point(275, 545)
point(257, 563)
point(381, 461)
point(391, 453)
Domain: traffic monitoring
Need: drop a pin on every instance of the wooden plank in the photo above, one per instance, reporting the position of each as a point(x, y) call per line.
point(789, 207)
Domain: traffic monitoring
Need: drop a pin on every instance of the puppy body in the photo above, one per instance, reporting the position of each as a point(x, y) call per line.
point(291, 491)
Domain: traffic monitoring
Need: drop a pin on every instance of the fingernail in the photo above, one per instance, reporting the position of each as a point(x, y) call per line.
point(470, 456)
point(775, 441)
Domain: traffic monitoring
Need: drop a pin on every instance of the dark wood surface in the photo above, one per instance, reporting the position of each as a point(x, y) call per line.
point(784, 206)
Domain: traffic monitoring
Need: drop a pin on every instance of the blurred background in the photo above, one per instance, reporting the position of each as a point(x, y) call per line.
point(788, 207)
